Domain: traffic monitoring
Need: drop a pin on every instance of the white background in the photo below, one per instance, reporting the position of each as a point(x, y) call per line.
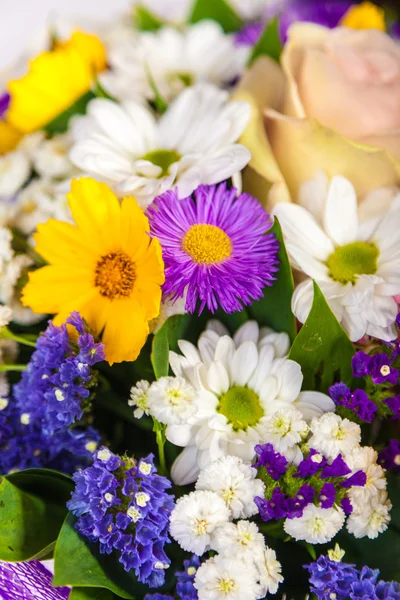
point(22, 20)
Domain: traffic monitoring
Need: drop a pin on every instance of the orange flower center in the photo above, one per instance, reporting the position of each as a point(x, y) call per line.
point(115, 275)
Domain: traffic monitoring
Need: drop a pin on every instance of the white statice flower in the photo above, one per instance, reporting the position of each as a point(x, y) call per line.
point(172, 400)
point(355, 264)
point(268, 572)
point(195, 519)
point(365, 458)
point(372, 518)
point(194, 142)
point(239, 383)
point(316, 525)
point(140, 398)
point(241, 540)
point(15, 169)
point(332, 435)
point(226, 578)
point(284, 429)
point(6, 314)
point(171, 59)
point(235, 482)
point(51, 159)
point(39, 201)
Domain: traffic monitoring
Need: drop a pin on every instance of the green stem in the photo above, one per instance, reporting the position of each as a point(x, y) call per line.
point(6, 334)
point(4, 368)
point(159, 430)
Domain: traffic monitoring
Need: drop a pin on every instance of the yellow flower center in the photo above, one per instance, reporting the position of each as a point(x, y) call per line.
point(350, 260)
point(207, 244)
point(226, 586)
point(115, 275)
point(200, 527)
point(364, 16)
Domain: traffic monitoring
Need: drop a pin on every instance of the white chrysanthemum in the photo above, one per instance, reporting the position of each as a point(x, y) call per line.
point(171, 59)
point(172, 400)
point(6, 251)
point(333, 435)
point(15, 169)
point(236, 482)
point(10, 272)
point(51, 158)
point(223, 578)
point(193, 143)
point(195, 519)
point(371, 518)
point(285, 428)
point(5, 315)
point(140, 398)
point(240, 540)
point(269, 572)
point(364, 458)
point(39, 201)
point(316, 525)
point(356, 265)
point(239, 382)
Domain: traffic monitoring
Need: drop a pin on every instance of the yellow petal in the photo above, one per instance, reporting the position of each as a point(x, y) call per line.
point(9, 137)
point(63, 243)
point(364, 16)
point(126, 331)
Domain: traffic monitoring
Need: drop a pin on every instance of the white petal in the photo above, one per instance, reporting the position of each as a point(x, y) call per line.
point(217, 378)
point(290, 378)
point(244, 363)
point(248, 332)
point(314, 404)
point(307, 263)
point(189, 351)
point(179, 435)
point(265, 360)
point(341, 217)
point(185, 468)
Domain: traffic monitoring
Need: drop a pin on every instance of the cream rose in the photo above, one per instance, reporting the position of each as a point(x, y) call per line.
point(333, 104)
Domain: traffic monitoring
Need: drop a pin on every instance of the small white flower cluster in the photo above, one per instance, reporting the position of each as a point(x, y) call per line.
point(244, 568)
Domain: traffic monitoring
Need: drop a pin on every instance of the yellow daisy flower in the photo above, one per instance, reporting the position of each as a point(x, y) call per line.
point(364, 16)
point(56, 80)
point(106, 267)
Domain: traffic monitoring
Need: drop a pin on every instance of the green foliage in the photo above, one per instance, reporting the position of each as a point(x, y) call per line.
point(60, 123)
point(322, 348)
point(274, 309)
point(80, 593)
point(32, 510)
point(165, 340)
point(80, 564)
point(145, 20)
point(269, 43)
point(218, 10)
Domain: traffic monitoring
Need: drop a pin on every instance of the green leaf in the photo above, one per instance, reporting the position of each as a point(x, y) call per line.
point(322, 348)
point(48, 485)
point(145, 20)
point(274, 309)
point(217, 10)
point(60, 123)
point(28, 525)
point(165, 340)
point(79, 563)
point(269, 43)
point(80, 593)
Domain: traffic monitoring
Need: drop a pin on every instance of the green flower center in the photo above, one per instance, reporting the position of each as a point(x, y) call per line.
point(163, 159)
point(186, 78)
point(241, 406)
point(350, 260)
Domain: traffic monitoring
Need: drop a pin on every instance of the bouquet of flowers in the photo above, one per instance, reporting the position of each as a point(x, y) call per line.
point(199, 328)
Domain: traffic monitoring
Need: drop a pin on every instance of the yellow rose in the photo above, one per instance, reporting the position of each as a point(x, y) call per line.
point(333, 104)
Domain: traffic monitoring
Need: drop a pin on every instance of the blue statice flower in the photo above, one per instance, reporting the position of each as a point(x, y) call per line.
point(158, 597)
point(389, 458)
point(334, 579)
point(357, 402)
point(273, 462)
point(185, 579)
point(122, 505)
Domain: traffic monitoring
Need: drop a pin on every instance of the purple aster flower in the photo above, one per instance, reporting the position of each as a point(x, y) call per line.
point(311, 464)
point(275, 508)
point(331, 579)
point(389, 458)
point(185, 579)
point(123, 506)
point(4, 103)
point(338, 468)
point(29, 581)
point(327, 495)
point(327, 13)
point(274, 463)
point(296, 505)
point(215, 247)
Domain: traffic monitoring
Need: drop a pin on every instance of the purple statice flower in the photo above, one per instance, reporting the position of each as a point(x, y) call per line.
point(346, 505)
point(327, 13)
point(357, 401)
point(387, 590)
point(296, 505)
point(275, 508)
point(394, 405)
point(311, 464)
point(249, 34)
point(59, 376)
point(216, 247)
point(377, 366)
point(327, 495)
point(185, 579)
point(359, 478)
point(331, 579)
point(389, 458)
point(4, 103)
point(273, 462)
point(338, 468)
point(158, 597)
point(122, 505)
point(29, 581)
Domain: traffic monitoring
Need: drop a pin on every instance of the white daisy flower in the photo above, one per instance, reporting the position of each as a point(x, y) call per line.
point(140, 398)
point(364, 458)
point(285, 428)
point(371, 518)
point(332, 435)
point(240, 540)
point(195, 519)
point(223, 578)
point(235, 482)
point(5, 315)
point(171, 400)
point(269, 572)
point(193, 143)
point(239, 382)
point(316, 525)
point(171, 59)
point(15, 169)
point(356, 265)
